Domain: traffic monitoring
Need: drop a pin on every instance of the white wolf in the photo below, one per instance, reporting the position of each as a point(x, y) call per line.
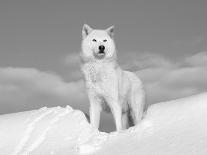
point(109, 88)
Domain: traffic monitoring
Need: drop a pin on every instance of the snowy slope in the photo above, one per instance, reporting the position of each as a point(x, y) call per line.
point(175, 127)
point(44, 131)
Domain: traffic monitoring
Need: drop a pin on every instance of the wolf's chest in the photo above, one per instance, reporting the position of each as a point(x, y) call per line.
point(98, 74)
point(99, 77)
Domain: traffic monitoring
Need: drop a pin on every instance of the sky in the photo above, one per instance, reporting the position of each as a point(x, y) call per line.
point(163, 41)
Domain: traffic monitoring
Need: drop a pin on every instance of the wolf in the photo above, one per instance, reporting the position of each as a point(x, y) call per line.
point(109, 88)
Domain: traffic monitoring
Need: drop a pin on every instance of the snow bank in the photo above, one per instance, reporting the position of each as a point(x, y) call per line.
point(174, 127)
point(45, 131)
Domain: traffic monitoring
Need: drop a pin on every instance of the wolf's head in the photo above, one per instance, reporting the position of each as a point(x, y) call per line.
point(98, 44)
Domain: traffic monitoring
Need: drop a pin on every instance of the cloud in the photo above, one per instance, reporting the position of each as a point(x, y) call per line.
point(28, 88)
point(186, 77)
point(199, 59)
point(177, 80)
point(176, 83)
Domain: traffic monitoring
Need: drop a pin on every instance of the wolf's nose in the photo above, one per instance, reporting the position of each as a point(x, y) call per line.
point(101, 48)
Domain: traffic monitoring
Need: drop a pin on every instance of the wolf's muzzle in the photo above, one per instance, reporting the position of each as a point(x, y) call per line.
point(100, 54)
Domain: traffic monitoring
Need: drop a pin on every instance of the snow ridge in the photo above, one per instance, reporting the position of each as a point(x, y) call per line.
point(41, 138)
point(30, 129)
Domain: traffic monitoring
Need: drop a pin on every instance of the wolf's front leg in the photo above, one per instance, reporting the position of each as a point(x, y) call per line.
point(95, 110)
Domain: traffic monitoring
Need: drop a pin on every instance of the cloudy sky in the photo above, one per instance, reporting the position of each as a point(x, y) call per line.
point(163, 41)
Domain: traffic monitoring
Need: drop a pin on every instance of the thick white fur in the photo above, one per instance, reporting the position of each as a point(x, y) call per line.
point(109, 87)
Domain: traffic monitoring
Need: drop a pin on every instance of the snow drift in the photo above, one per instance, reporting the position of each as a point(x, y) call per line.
point(174, 127)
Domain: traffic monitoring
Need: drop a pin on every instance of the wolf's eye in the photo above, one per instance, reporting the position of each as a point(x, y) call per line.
point(94, 40)
point(104, 40)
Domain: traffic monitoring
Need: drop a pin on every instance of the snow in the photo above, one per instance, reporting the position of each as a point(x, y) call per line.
point(174, 127)
point(29, 130)
point(44, 131)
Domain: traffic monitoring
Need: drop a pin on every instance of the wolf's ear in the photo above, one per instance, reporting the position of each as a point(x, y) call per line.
point(110, 31)
point(86, 30)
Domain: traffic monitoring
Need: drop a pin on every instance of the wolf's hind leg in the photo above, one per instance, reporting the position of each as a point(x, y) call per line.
point(125, 121)
point(117, 114)
point(137, 103)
